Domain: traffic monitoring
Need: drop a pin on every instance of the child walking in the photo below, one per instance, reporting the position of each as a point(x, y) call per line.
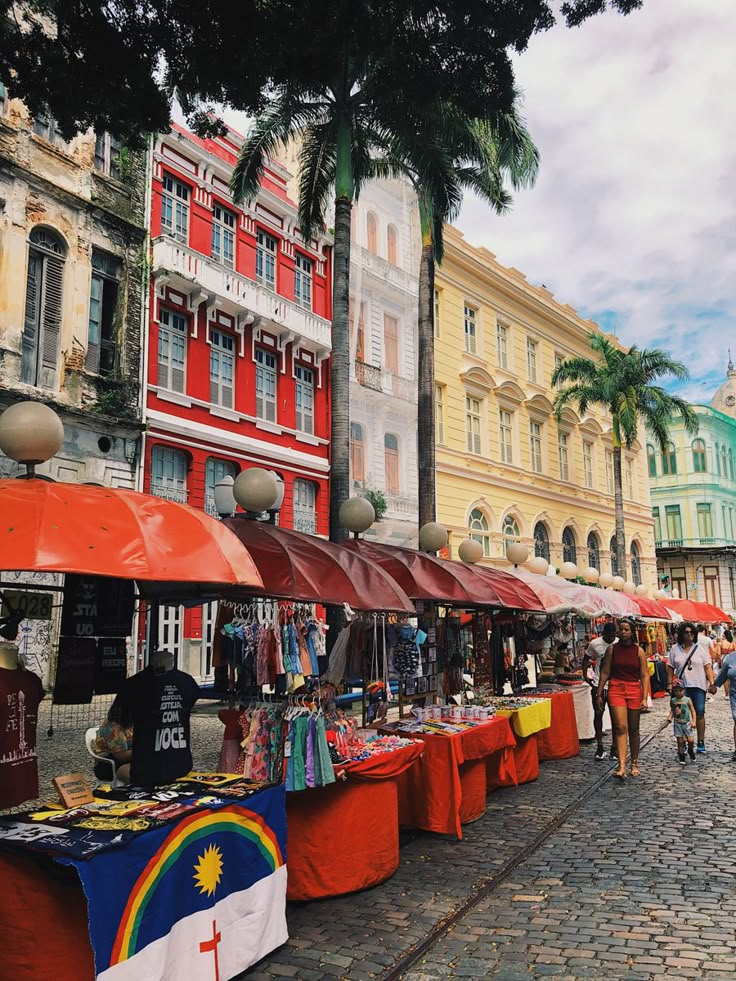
point(682, 713)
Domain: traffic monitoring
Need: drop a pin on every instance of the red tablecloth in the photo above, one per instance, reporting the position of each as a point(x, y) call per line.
point(442, 790)
point(560, 741)
point(523, 768)
point(345, 837)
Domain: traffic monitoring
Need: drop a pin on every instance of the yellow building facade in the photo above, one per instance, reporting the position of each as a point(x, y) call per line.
point(506, 469)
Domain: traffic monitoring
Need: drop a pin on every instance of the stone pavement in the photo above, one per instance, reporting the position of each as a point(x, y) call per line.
point(595, 899)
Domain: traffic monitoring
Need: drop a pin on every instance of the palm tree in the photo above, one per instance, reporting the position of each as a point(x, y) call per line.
point(622, 382)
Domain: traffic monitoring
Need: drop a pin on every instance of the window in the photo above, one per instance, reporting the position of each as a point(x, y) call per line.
point(175, 208)
point(588, 463)
point(609, 472)
point(305, 507)
point(558, 363)
point(172, 350)
point(266, 247)
point(718, 460)
point(674, 524)
point(730, 465)
point(265, 385)
point(505, 436)
point(223, 235)
point(103, 302)
point(614, 557)
point(470, 338)
point(357, 452)
point(304, 399)
point(473, 409)
point(705, 523)
point(535, 445)
point(391, 460)
point(531, 360)
point(699, 461)
point(541, 541)
point(594, 551)
point(478, 526)
point(360, 339)
point(391, 245)
point(657, 526)
point(391, 342)
point(214, 471)
point(651, 460)
point(630, 480)
point(372, 231)
point(45, 127)
point(502, 346)
point(107, 155)
point(562, 452)
point(679, 581)
point(44, 294)
point(222, 368)
point(711, 581)
point(511, 528)
point(724, 461)
point(669, 461)
point(303, 281)
point(169, 474)
point(439, 414)
point(436, 313)
point(635, 564)
point(569, 548)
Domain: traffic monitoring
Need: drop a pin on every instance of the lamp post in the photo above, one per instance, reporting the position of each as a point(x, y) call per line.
point(256, 490)
point(539, 565)
point(30, 433)
point(591, 575)
point(517, 554)
point(568, 570)
point(606, 580)
point(356, 515)
point(225, 502)
point(432, 537)
point(470, 551)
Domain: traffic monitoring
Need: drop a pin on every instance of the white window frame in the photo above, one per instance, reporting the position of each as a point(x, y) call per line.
point(304, 391)
point(563, 454)
point(532, 348)
point(536, 434)
point(557, 362)
point(303, 273)
point(266, 379)
point(171, 485)
point(173, 329)
point(588, 463)
point(222, 368)
point(610, 474)
point(439, 413)
point(437, 311)
point(506, 435)
point(175, 197)
point(305, 506)
point(502, 346)
point(479, 530)
point(224, 224)
point(470, 328)
point(267, 250)
point(473, 424)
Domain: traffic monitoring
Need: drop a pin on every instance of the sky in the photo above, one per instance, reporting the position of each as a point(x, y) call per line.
point(633, 218)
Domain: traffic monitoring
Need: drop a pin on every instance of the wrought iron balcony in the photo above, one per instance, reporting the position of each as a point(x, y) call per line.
point(368, 376)
point(178, 494)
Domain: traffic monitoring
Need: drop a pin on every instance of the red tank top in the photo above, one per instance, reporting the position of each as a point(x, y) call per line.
point(625, 663)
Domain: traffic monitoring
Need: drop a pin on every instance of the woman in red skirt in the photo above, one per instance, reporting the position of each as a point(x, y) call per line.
point(626, 670)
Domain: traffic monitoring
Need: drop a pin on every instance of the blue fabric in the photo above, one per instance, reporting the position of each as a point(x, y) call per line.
point(698, 697)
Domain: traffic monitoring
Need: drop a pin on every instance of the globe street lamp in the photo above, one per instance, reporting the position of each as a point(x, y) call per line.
point(356, 515)
point(30, 433)
point(517, 554)
point(432, 537)
point(470, 551)
point(539, 565)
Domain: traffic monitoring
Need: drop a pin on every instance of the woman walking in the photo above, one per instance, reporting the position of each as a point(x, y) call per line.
point(727, 678)
point(690, 662)
point(626, 670)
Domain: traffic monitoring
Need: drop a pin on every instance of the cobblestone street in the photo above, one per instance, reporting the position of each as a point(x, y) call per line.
point(636, 882)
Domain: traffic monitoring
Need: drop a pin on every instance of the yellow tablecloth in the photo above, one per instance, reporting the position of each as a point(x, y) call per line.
point(532, 718)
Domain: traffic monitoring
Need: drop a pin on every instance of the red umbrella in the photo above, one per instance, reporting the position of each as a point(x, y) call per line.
point(312, 570)
point(697, 612)
point(652, 608)
point(102, 531)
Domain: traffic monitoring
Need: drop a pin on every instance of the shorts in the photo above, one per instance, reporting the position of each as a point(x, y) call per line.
point(604, 699)
point(697, 696)
point(625, 694)
point(683, 730)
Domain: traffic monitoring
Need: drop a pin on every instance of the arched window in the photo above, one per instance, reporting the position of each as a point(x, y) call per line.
point(169, 473)
point(44, 296)
point(357, 452)
point(594, 551)
point(651, 460)
point(391, 453)
point(669, 460)
point(700, 464)
point(372, 233)
point(730, 465)
point(511, 528)
point(215, 470)
point(478, 526)
point(392, 245)
point(614, 557)
point(718, 461)
point(305, 506)
point(724, 462)
point(569, 548)
point(541, 541)
point(635, 563)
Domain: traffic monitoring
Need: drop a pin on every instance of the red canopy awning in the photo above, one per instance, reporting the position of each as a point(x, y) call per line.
point(425, 577)
point(652, 608)
point(697, 612)
point(311, 570)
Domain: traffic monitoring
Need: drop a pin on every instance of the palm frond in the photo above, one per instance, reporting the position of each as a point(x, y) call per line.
point(575, 370)
point(582, 395)
point(316, 176)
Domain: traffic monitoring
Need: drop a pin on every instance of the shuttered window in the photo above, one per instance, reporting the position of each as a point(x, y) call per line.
point(103, 301)
point(169, 474)
point(304, 399)
point(172, 351)
point(222, 368)
point(391, 455)
point(265, 385)
point(44, 296)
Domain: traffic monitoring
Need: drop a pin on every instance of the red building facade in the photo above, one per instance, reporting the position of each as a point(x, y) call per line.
point(239, 337)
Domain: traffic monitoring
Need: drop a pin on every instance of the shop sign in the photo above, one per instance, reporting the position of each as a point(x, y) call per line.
point(97, 606)
point(33, 606)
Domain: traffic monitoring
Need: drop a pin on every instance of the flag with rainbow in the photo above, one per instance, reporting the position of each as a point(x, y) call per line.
point(201, 899)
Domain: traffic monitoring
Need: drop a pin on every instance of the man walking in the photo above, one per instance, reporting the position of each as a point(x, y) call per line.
point(690, 662)
point(592, 664)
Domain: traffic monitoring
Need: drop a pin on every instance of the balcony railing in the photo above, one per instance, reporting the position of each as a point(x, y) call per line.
point(386, 271)
point(402, 506)
point(305, 521)
point(711, 542)
point(177, 494)
point(368, 376)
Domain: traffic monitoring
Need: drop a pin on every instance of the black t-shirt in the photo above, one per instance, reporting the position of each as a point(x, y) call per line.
point(158, 708)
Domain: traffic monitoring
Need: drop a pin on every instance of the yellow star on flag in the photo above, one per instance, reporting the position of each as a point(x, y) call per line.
point(208, 870)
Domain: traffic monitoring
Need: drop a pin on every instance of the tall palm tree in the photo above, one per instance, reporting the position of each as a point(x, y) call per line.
point(623, 383)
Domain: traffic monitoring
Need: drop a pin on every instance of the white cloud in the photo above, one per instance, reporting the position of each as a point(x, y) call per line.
point(633, 219)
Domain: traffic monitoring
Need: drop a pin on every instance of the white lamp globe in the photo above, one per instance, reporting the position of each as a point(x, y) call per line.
point(538, 565)
point(256, 490)
point(618, 583)
point(568, 570)
point(432, 537)
point(659, 594)
point(605, 580)
point(516, 553)
point(675, 593)
point(551, 571)
point(470, 550)
point(356, 514)
point(629, 587)
point(30, 432)
point(224, 497)
point(591, 574)
point(642, 589)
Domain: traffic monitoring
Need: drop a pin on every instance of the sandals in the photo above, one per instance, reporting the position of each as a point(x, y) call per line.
point(634, 768)
point(620, 774)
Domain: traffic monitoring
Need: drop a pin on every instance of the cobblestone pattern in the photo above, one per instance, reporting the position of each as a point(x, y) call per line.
point(361, 936)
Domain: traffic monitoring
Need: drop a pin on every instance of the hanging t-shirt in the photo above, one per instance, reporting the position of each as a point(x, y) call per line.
point(20, 695)
point(157, 706)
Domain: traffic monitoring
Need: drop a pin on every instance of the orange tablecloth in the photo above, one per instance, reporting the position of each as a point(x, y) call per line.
point(442, 790)
point(523, 768)
point(560, 741)
point(345, 836)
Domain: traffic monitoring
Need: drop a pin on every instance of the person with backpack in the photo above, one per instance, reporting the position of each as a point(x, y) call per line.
point(690, 663)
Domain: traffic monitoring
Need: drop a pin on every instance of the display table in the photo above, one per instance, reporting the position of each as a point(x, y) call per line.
point(346, 835)
point(447, 787)
point(584, 715)
point(560, 741)
point(192, 897)
point(526, 722)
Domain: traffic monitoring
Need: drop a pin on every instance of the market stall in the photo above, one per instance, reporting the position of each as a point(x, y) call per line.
point(560, 741)
point(527, 717)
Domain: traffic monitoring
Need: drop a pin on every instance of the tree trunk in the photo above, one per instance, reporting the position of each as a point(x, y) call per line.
point(425, 396)
point(619, 511)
